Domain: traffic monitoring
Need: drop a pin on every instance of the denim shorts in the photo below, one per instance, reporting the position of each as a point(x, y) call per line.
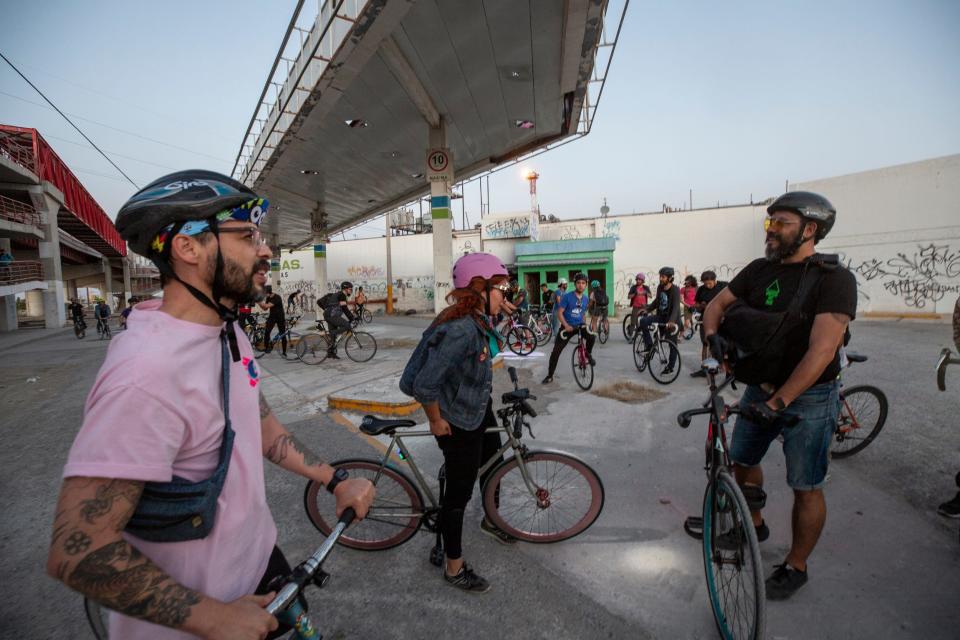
point(806, 445)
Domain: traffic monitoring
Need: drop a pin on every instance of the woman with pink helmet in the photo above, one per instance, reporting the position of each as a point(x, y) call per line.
point(451, 374)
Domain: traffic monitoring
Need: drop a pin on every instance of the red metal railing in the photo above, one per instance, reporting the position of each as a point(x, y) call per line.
point(17, 144)
point(20, 271)
point(49, 166)
point(16, 211)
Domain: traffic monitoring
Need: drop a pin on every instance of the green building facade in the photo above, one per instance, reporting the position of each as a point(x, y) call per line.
point(546, 262)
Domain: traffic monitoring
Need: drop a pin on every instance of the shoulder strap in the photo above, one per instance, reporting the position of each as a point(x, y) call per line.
point(226, 445)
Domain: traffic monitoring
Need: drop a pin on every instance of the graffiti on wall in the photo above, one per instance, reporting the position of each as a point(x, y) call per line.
point(466, 246)
point(610, 229)
point(515, 227)
point(925, 275)
point(365, 271)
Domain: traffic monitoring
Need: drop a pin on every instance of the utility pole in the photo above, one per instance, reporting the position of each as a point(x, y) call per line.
point(389, 227)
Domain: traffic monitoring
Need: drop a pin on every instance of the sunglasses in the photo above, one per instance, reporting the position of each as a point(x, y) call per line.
point(503, 287)
point(777, 224)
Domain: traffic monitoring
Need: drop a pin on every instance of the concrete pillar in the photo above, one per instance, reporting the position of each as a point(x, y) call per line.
point(8, 313)
point(35, 303)
point(274, 241)
point(107, 292)
point(127, 287)
point(54, 309)
point(318, 225)
point(440, 192)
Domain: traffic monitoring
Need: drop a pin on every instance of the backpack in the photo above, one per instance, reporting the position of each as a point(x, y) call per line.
point(600, 298)
point(759, 338)
point(327, 301)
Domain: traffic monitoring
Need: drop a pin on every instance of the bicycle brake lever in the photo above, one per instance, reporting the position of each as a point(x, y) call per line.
point(529, 429)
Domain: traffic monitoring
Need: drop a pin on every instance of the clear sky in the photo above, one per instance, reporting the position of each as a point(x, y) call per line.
point(726, 98)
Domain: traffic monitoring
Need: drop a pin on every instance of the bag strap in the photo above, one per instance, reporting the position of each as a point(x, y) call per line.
point(226, 445)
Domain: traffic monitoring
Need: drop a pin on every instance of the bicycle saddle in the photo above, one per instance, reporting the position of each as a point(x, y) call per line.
point(375, 426)
point(856, 357)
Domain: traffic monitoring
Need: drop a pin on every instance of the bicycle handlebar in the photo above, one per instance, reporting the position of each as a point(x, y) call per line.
point(306, 570)
point(946, 359)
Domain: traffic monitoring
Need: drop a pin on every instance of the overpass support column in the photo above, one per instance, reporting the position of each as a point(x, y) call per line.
point(440, 192)
point(274, 242)
point(318, 225)
point(54, 309)
point(107, 293)
point(127, 288)
point(8, 304)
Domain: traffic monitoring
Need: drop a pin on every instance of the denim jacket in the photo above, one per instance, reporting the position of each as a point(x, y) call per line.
point(452, 366)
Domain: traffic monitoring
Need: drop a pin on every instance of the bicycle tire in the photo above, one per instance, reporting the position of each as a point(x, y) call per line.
point(546, 332)
point(603, 332)
point(582, 374)
point(79, 331)
point(360, 346)
point(97, 618)
point(381, 528)
point(853, 413)
point(312, 349)
point(367, 316)
point(505, 497)
point(521, 340)
point(106, 332)
point(729, 511)
point(640, 359)
point(629, 331)
point(661, 360)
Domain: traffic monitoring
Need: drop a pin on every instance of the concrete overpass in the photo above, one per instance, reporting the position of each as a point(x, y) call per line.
point(58, 235)
point(373, 104)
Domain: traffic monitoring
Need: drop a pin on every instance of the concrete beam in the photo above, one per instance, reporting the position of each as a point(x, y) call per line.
point(397, 63)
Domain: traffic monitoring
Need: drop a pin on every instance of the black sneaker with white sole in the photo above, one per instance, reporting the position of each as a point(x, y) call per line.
point(784, 582)
point(951, 508)
point(467, 580)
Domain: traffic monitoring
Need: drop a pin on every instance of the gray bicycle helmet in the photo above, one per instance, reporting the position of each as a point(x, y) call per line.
point(809, 206)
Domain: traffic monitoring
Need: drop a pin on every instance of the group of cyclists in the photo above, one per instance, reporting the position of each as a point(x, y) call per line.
point(164, 518)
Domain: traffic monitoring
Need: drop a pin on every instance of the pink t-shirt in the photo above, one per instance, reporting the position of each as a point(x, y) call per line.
point(155, 410)
point(689, 295)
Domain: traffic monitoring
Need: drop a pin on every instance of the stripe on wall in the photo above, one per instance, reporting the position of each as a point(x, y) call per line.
point(319, 251)
point(440, 207)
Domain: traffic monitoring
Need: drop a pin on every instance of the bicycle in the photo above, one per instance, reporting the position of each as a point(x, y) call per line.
point(658, 356)
point(536, 496)
point(539, 323)
point(863, 412)
point(79, 328)
point(285, 606)
point(519, 337)
point(629, 330)
point(729, 540)
point(262, 346)
point(364, 317)
point(580, 361)
point(103, 329)
point(313, 348)
point(603, 327)
point(694, 328)
point(945, 360)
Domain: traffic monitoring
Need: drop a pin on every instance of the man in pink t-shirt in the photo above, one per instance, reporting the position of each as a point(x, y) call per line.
point(157, 410)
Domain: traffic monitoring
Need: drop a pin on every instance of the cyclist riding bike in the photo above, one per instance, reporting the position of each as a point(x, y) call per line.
point(359, 301)
point(337, 314)
point(571, 312)
point(665, 309)
point(788, 329)
point(638, 298)
point(76, 313)
point(599, 305)
point(688, 295)
point(162, 516)
point(706, 292)
point(273, 305)
point(102, 313)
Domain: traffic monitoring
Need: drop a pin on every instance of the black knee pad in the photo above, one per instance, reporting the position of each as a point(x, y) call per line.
point(756, 496)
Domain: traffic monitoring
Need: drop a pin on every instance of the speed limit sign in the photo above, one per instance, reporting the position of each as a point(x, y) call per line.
point(439, 167)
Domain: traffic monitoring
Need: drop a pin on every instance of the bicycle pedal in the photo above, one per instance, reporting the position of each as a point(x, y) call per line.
point(693, 526)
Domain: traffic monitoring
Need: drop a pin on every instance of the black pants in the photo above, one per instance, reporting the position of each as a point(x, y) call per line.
point(464, 452)
point(336, 324)
point(277, 567)
point(560, 342)
point(281, 325)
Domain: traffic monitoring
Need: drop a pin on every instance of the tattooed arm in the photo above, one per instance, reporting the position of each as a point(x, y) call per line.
point(88, 554)
point(284, 449)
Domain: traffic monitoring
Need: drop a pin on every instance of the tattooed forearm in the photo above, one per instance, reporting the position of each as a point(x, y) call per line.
point(123, 579)
point(77, 542)
point(264, 407)
point(287, 443)
point(93, 509)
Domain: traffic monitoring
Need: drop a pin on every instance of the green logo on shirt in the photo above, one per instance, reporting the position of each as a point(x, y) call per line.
point(773, 292)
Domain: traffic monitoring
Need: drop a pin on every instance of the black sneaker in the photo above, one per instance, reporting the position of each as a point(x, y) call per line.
point(699, 373)
point(784, 582)
point(333, 356)
point(951, 508)
point(467, 580)
point(667, 371)
point(593, 362)
point(496, 533)
point(730, 541)
point(547, 380)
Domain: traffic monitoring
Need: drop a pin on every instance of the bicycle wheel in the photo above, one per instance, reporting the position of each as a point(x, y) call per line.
point(546, 331)
point(629, 331)
point(258, 341)
point(313, 348)
point(603, 332)
point(640, 359)
point(569, 497)
point(360, 346)
point(863, 412)
point(393, 518)
point(663, 353)
point(367, 317)
point(731, 561)
point(106, 332)
point(79, 331)
point(521, 340)
point(97, 616)
point(582, 369)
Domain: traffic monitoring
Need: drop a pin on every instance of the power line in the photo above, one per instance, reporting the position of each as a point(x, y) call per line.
point(27, 80)
point(114, 153)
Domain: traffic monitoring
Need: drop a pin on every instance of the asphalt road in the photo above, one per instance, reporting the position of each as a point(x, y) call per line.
point(886, 566)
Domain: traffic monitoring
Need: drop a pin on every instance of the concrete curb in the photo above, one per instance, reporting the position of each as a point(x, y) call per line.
point(373, 406)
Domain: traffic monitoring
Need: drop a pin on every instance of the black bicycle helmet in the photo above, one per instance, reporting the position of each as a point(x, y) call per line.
point(580, 276)
point(708, 275)
point(346, 285)
point(809, 206)
point(666, 271)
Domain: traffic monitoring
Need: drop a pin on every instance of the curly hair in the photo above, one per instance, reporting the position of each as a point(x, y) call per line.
point(465, 301)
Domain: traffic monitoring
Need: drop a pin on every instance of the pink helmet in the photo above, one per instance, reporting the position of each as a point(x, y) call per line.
point(641, 277)
point(476, 265)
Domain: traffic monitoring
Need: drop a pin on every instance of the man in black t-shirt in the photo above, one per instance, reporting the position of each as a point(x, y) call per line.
point(801, 400)
point(273, 304)
point(337, 314)
point(664, 309)
point(706, 292)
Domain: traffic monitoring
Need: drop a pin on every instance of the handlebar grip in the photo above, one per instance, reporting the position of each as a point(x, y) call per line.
point(348, 516)
point(528, 409)
point(683, 420)
point(513, 375)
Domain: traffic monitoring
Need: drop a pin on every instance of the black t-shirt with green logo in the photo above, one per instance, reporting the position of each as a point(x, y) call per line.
point(770, 286)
